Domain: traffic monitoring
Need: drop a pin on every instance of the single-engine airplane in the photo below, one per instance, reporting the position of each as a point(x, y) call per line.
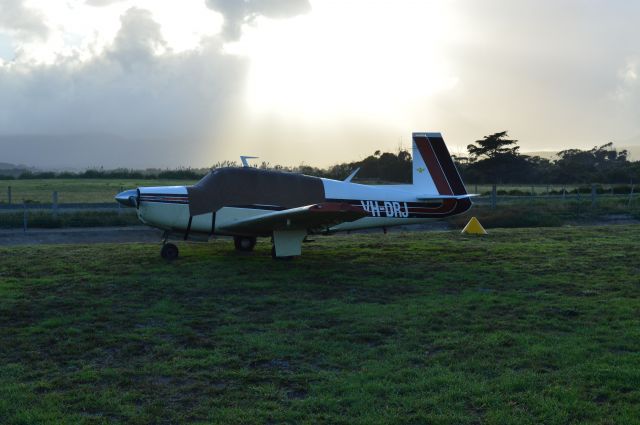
point(246, 203)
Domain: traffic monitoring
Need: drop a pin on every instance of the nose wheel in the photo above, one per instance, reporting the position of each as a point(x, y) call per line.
point(169, 252)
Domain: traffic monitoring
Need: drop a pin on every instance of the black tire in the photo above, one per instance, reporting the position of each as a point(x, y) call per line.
point(169, 252)
point(244, 243)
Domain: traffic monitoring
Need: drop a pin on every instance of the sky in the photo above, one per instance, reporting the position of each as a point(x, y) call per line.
point(158, 83)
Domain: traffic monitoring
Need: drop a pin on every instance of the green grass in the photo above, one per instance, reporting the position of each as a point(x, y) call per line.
point(47, 220)
point(520, 327)
point(74, 190)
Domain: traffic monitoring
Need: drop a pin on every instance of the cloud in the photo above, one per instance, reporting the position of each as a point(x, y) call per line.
point(238, 12)
point(629, 74)
point(27, 24)
point(138, 40)
point(545, 70)
point(100, 3)
point(627, 92)
point(177, 101)
point(555, 74)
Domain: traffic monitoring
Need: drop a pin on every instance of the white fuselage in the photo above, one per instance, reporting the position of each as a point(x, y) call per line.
point(167, 208)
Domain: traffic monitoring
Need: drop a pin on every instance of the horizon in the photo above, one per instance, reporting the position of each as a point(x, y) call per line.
point(633, 155)
point(118, 82)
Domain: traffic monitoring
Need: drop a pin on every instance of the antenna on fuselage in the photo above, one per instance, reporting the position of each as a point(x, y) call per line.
point(352, 175)
point(244, 158)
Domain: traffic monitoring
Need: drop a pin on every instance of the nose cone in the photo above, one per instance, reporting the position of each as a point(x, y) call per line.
point(128, 198)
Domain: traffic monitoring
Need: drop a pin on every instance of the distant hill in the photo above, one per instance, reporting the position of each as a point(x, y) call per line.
point(75, 151)
point(7, 166)
point(7, 169)
point(634, 153)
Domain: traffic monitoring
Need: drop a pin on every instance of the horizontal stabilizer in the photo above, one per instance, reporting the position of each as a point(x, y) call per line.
point(428, 197)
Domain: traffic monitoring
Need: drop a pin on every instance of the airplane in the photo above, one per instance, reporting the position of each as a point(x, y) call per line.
point(246, 203)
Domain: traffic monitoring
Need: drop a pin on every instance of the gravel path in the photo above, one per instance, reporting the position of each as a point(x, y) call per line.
point(79, 235)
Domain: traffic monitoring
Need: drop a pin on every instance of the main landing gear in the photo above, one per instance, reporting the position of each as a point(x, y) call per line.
point(169, 251)
point(275, 257)
point(244, 243)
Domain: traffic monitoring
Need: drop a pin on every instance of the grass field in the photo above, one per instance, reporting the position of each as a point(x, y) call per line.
point(74, 190)
point(520, 327)
point(103, 190)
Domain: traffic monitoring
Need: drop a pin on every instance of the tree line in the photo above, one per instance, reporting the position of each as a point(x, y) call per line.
point(493, 159)
point(496, 159)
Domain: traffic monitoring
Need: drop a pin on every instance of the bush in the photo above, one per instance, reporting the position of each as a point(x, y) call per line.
point(622, 190)
point(511, 217)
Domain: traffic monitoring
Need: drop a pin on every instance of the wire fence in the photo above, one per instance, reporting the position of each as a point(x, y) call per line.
point(590, 194)
point(102, 198)
point(579, 199)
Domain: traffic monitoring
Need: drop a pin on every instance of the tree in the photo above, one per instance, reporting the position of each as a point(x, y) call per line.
point(492, 146)
point(603, 163)
point(496, 159)
point(387, 166)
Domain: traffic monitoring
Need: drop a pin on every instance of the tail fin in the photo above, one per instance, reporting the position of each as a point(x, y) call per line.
point(433, 169)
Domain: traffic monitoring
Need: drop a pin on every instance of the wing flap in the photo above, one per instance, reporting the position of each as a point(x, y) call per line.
point(309, 217)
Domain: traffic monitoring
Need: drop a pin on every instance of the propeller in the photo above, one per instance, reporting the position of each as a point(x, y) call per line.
point(128, 198)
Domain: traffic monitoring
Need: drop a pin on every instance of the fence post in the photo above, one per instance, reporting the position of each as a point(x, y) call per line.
point(54, 203)
point(476, 188)
point(494, 193)
point(593, 195)
point(564, 193)
point(631, 193)
point(24, 217)
point(547, 190)
point(9, 194)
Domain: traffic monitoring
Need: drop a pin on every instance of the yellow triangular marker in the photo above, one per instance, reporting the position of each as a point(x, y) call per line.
point(474, 227)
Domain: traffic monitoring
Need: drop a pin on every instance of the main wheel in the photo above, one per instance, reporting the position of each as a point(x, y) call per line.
point(169, 252)
point(244, 243)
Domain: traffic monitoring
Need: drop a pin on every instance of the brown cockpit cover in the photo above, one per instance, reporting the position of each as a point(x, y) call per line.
point(248, 186)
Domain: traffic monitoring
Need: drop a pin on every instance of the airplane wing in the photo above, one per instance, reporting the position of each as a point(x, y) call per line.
point(313, 217)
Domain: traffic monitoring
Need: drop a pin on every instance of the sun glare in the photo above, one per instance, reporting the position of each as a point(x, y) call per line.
point(347, 58)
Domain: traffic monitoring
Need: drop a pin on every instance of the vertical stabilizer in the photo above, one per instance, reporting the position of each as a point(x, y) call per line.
point(433, 168)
